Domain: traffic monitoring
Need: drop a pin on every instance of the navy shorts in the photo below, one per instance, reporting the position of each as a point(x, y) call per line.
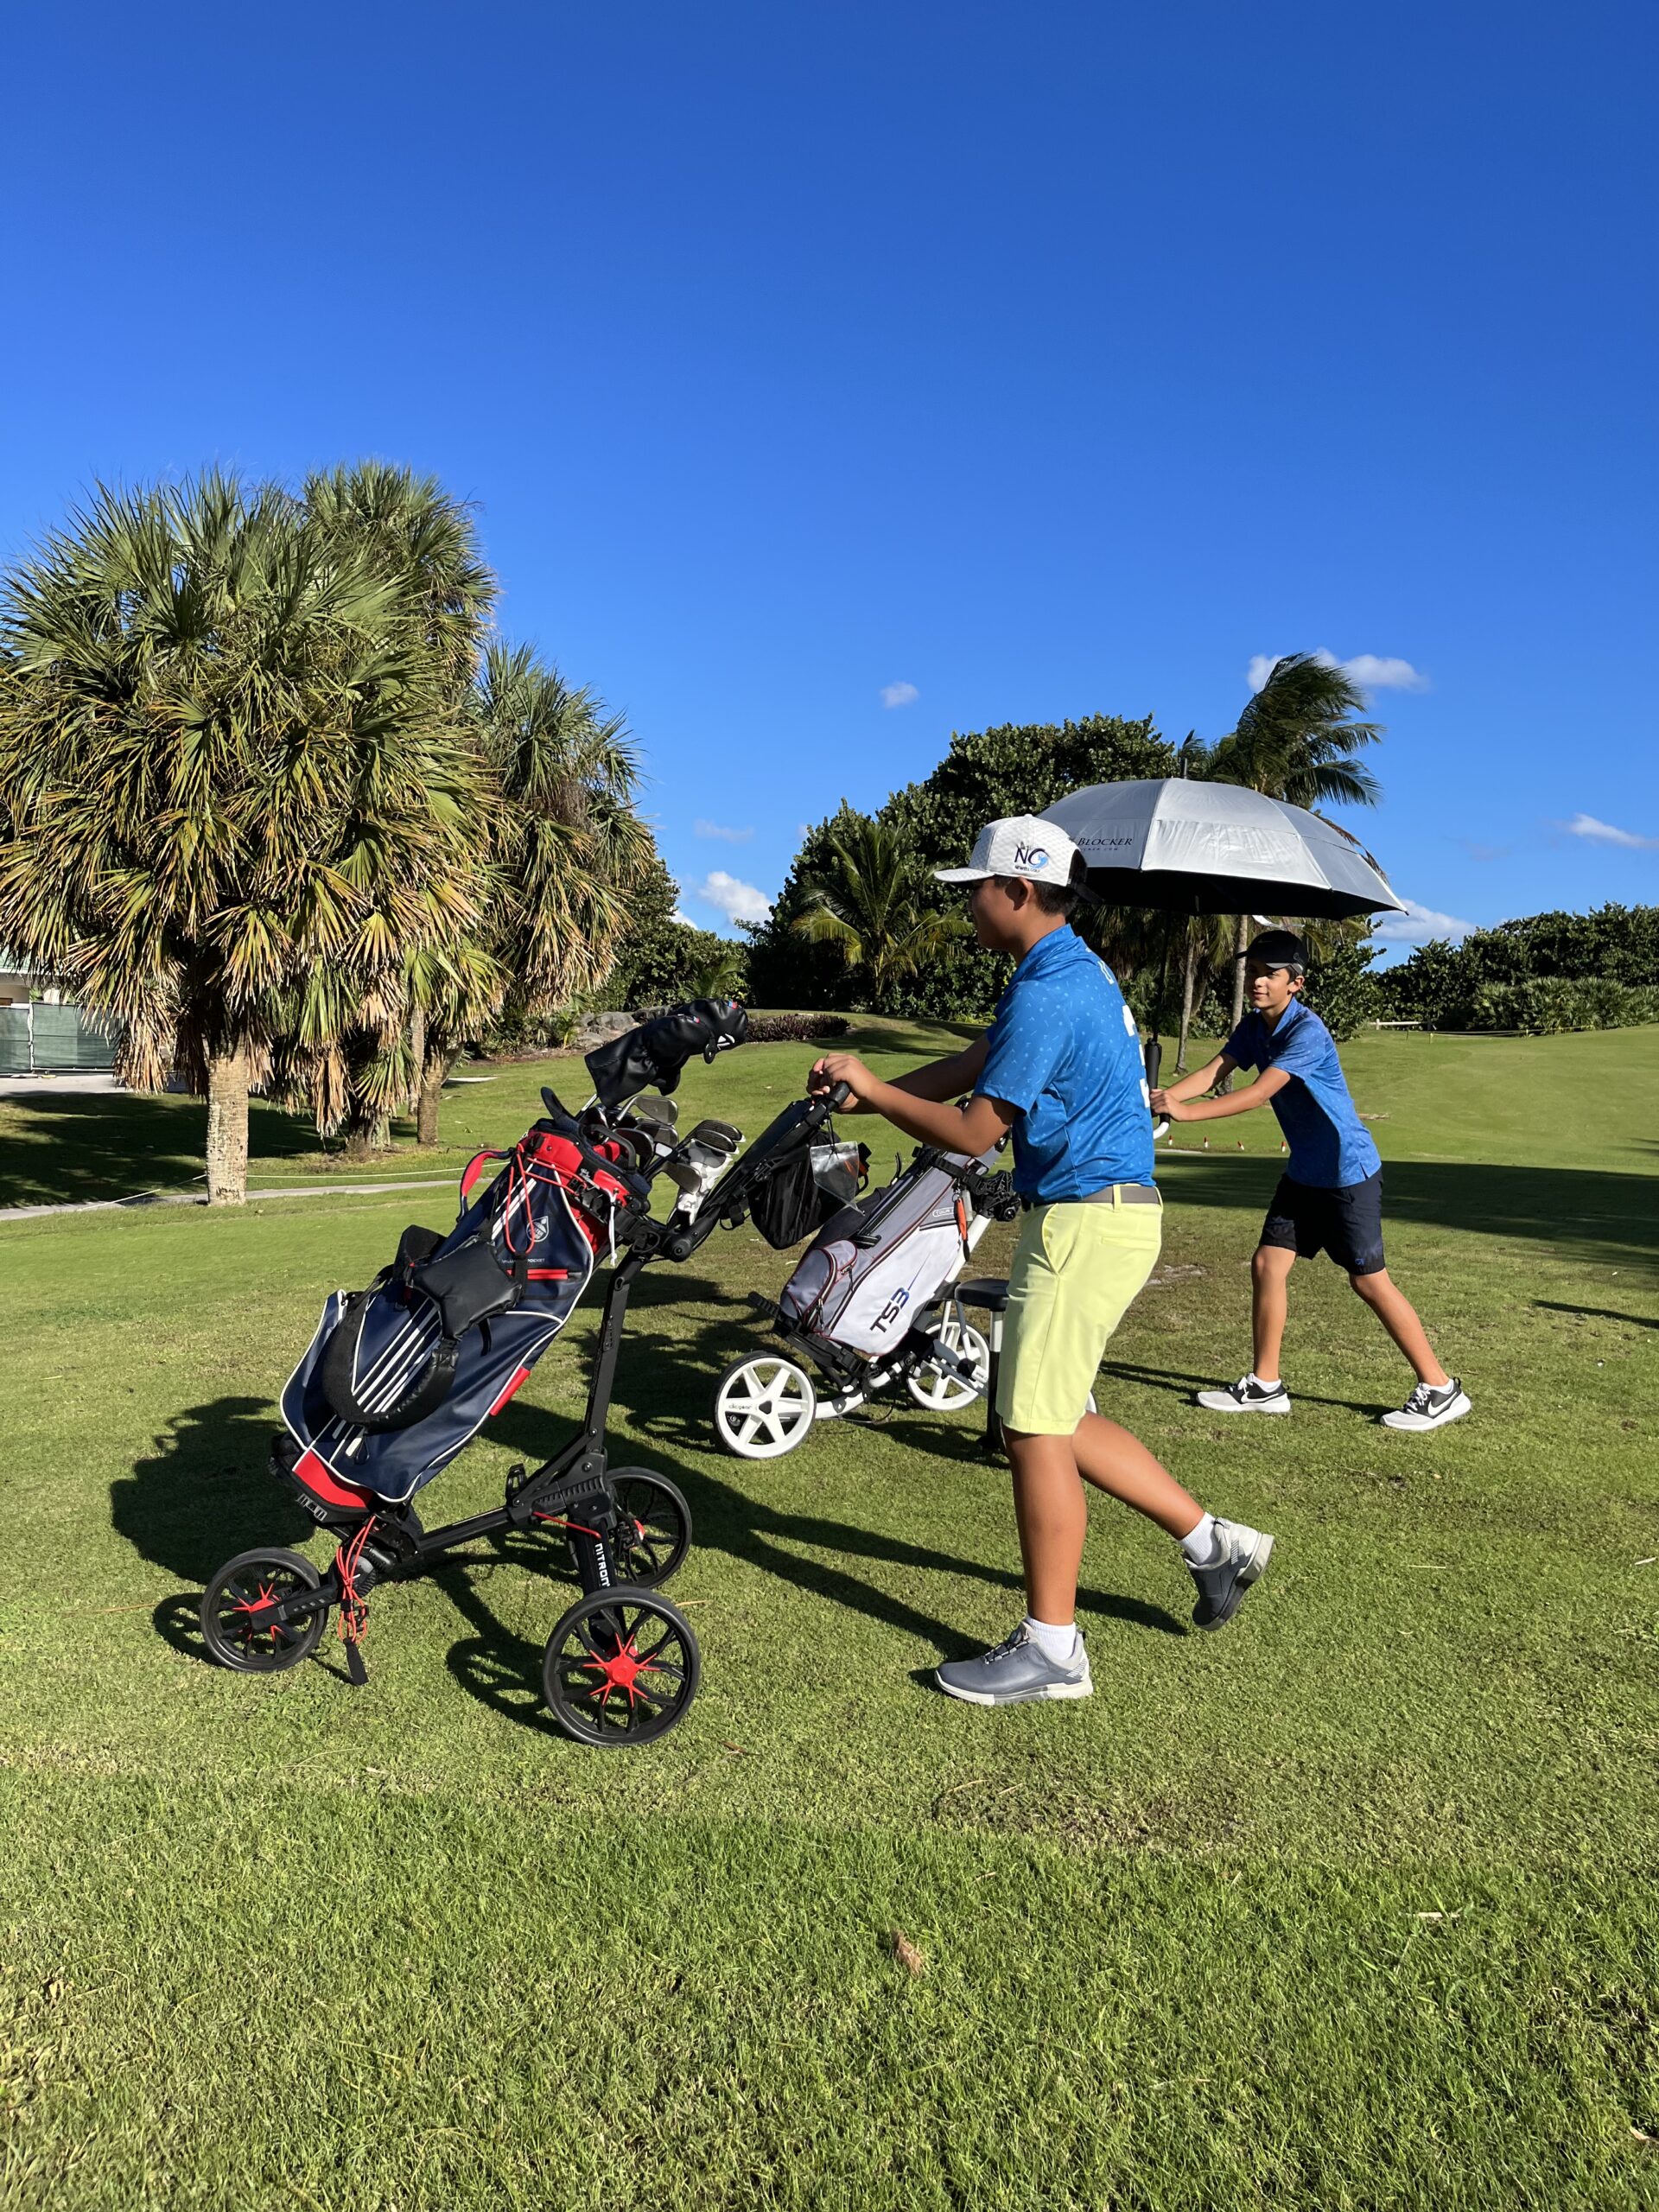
point(1346, 1223)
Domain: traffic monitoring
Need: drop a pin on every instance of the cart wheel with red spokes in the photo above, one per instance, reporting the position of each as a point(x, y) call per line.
point(622, 1667)
point(656, 1532)
point(239, 1606)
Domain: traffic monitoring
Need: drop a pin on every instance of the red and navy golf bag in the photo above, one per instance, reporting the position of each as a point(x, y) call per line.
point(400, 1376)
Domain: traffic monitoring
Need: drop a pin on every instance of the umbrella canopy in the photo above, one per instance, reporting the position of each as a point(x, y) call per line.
point(1193, 848)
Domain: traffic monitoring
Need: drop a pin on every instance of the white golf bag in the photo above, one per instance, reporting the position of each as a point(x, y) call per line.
point(869, 1307)
point(874, 1267)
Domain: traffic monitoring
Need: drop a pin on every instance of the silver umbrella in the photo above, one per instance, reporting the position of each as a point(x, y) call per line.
point(1194, 848)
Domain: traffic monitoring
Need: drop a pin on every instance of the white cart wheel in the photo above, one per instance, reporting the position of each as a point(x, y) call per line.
point(935, 1388)
point(764, 1407)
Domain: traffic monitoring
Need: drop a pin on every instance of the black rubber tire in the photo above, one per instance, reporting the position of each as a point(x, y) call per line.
point(231, 1600)
point(660, 1519)
point(608, 1707)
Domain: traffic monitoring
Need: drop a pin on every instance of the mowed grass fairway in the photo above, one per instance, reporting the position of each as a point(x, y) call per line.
point(1349, 1906)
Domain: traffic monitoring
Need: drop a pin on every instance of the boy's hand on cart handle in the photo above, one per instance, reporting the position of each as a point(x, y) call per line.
point(846, 1069)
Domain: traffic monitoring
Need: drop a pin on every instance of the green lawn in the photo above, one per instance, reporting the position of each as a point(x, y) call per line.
point(1350, 1907)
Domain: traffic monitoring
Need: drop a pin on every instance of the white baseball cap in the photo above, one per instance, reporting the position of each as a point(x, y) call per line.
point(1022, 845)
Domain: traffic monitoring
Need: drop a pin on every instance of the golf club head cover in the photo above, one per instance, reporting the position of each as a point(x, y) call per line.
point(652, 1056)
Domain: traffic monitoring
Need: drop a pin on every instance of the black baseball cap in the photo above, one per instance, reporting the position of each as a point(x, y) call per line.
point(1279, 949)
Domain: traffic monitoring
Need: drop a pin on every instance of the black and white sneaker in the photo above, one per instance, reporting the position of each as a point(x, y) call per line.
point(1247, 1396)
point(1430, 1408)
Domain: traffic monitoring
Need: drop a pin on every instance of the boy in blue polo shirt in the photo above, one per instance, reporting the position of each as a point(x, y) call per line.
point(1059, 1067)
point(1329, 1199)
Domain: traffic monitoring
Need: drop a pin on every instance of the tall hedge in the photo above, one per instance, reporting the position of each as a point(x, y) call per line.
point(1486, 982)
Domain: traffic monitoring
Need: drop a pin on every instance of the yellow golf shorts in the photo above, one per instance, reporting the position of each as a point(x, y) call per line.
point(1076, 1270)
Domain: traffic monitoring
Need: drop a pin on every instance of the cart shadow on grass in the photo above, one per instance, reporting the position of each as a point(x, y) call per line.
point(502, 1669)
point(1587, 1215)
point(205, 1493)
point(1186, 1387)
point(1598, 1313)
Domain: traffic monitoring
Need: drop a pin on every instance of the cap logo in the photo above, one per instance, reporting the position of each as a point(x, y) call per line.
point(1030, 856)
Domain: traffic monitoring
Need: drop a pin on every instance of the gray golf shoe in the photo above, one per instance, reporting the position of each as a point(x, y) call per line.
point(1241, 1555)
point(1016, 1672)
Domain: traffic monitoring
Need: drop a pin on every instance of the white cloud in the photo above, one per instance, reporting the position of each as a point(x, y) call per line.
point(731, 896)
point(718, 829)
point(1374, 672)
point(1586, 825)
point(676, 916)
point(1419, 925)
point(1371, 671)
point(900, 695)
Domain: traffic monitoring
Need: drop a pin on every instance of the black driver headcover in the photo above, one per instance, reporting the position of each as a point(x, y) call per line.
point(652, 1056)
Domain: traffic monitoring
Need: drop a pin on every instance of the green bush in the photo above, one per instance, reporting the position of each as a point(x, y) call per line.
point(1612, 949)
point(1341, 988)
point(1549, 1006)
point(662, 961)
point(513, 1032)
point(792, 1028)
point(1015, 769)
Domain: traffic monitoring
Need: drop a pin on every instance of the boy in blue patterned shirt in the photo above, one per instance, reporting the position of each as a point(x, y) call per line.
point(1058, 1071)
point(1329, 1199)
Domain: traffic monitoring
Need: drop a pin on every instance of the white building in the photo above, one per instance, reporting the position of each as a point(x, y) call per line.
point(18, 983)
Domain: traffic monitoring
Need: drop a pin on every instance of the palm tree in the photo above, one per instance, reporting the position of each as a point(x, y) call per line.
point(721, 976)
point(453, 994)
point(1208, 947)
point(409, 530)
point(569, 840)
point(226, 777)
point(1295, 740)
point(562, 844)
point(874, 899)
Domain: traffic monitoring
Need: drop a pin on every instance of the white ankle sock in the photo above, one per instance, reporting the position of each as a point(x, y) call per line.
point(1060, 1644)
point(1263, 1383)
point(1199, 1545)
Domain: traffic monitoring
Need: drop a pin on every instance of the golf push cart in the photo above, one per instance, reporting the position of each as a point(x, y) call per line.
point(877, 1299)
point(400, 1376)
point(870, 1306)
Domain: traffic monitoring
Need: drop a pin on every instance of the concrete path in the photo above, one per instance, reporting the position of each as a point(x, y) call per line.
point(90, 1083)
point(198, 1198)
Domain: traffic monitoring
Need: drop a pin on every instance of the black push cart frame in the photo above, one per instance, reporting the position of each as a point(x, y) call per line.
point(575, 1490)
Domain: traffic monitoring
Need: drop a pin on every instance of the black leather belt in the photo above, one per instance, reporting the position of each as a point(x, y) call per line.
point(1115, 1194)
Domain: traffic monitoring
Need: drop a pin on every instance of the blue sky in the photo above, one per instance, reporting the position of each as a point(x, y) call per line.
point(1009, 364)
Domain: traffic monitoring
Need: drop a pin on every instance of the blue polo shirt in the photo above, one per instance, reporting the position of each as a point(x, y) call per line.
point(1330, 1146)
point(1065, 1052)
